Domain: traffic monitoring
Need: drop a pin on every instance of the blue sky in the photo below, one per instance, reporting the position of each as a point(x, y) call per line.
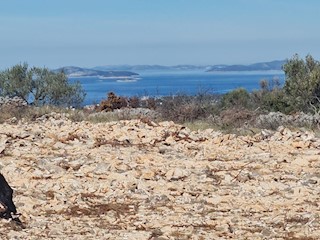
point(90, 33)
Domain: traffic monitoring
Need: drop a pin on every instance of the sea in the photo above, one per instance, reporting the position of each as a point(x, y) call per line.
point(169, 83)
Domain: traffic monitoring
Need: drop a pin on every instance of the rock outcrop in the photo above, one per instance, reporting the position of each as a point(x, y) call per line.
point(12, 102)
point(145, 180)
point(300, 119)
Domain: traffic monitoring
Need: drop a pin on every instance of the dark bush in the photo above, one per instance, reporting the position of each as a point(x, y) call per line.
point(112, 102)
point(184, 108)
point(134, 102)
point(236, 117)
point(151, 103)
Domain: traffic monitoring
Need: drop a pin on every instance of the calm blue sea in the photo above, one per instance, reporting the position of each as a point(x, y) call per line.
point(172, 83)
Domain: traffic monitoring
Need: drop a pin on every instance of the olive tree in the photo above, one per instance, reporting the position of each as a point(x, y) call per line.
point(16, 81)
point(40, 86)
point(302, 84)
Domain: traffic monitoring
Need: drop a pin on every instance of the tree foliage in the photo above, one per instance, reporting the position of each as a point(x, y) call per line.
point(273, 100)
point(302, 85)
point(270, 97)
point(16, 81)
point(40, 86)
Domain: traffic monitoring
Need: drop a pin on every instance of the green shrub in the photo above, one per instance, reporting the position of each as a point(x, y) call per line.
point(236, 98)
point(271, 101)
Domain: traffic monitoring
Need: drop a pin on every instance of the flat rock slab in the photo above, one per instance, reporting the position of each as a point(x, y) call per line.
point(136, 180)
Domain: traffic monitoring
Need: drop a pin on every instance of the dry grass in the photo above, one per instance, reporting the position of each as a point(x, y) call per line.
point(200, 125)
point(30, 113)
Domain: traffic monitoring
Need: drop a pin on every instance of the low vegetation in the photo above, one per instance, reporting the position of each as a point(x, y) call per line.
point(236, 109)
point(239, 108)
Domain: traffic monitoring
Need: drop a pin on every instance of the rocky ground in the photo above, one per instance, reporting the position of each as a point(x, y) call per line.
point(141, 180)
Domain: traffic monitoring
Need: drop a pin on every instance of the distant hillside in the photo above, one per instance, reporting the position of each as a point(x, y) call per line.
point(72, 71)
point(263, 66)
point(130, 70)
point(138, 68)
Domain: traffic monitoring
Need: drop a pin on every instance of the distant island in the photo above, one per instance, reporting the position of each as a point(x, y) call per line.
point(72, 71)
point(137, 68)
point(262, 66)
point(129, 71)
